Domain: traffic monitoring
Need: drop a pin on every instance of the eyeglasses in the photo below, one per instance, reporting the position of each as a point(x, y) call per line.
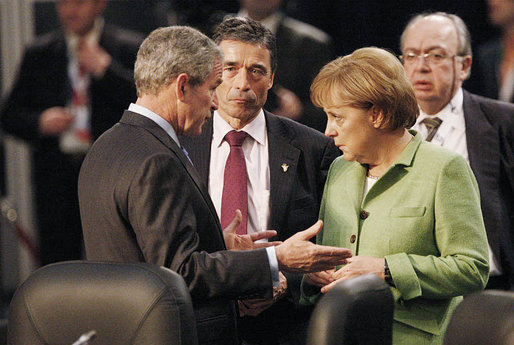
point(432, 58)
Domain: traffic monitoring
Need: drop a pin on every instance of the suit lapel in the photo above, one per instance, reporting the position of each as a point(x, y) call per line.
point(482, 142)
point(141, 121)
point(199, 150)
point(283, 163)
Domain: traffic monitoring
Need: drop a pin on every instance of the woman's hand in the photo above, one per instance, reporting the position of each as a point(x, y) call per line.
point(320, 278)
point(357, 266)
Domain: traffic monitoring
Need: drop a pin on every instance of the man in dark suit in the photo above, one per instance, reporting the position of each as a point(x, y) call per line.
point(287, 164)
point(436, 52)
point(72, 85)
point(141, 200)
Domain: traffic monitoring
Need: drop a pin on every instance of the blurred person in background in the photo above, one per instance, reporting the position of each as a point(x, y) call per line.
point(495, 59)
point(71, 86)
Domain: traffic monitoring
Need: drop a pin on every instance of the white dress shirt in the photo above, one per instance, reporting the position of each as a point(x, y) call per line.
point(451, 134)
point(255, 149)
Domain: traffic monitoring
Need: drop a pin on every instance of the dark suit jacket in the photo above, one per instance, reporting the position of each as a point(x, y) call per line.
point(295, 198)
point(302, 50)
point(490, 143)
point(42, 83)
point(486, 69)
point(141, 200)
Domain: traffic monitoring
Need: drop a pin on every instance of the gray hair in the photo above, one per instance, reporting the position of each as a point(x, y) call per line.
point(172, 50)
point(463, 34)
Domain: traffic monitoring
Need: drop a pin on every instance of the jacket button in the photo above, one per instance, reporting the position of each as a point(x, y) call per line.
point(353, 238)
point(364, 214)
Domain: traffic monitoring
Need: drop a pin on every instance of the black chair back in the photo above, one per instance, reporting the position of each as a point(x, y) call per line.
point(356, 311)
point(124, 303)
point(485, 317)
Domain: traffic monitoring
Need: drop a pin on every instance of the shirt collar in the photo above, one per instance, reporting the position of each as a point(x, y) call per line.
point(136, 108)
point(407, 156)
point(256, 128)
point(454, 107)
point(271, 22)
point(91, 38)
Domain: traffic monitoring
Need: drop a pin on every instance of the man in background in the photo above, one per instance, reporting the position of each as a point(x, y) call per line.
point(141, 199)
point(71, 86)
point(436, 55)
point(495, 73)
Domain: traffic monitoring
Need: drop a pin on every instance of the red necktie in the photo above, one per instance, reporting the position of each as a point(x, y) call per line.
point(235, 190)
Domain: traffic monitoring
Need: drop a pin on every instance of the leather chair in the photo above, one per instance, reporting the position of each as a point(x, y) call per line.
point(485, 317)
point(355, 311)
point(124, 303)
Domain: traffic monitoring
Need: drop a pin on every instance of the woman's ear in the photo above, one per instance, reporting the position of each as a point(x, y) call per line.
point(377, 117)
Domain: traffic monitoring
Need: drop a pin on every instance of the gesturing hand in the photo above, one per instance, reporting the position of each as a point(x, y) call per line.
point(234, 241)
point(357, 266)
point(298, 254)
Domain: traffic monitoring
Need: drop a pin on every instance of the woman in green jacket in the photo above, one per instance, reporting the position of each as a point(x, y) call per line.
point(409, 210)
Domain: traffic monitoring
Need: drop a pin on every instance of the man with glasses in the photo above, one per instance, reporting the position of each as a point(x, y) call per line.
point(436, 55)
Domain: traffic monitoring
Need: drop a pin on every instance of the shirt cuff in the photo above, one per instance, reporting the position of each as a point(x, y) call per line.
point(273, 265)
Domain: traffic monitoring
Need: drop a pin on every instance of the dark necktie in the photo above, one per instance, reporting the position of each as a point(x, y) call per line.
point(432, 124)
point(235, 190)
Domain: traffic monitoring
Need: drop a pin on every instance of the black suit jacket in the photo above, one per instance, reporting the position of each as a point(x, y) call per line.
point(302, 50)
point(43, 82)
point(490, 143)
point(295, 197)
point(486, 70)
point(141, 200)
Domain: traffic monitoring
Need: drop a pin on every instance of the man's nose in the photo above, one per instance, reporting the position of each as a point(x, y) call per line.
point(241, 80)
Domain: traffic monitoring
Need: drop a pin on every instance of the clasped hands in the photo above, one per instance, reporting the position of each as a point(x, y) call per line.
point(356, 266)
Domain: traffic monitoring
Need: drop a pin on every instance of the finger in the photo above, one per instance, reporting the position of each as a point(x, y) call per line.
point(329, 251)
point(311, 232)
point(234, 224)
point(328, 287)
point(267, 244)
point(262, 235)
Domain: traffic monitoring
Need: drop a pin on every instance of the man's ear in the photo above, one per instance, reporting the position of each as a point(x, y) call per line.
point(466, 67)
point(182, 86)
point(270, 82)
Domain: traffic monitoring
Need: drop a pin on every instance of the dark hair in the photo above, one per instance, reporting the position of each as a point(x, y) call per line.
point(249, 31)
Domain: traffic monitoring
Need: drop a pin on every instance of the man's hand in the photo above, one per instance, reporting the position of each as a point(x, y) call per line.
point(253, 307)
point(54, 121)
point(289, 105)
point(298, 254)
point(320, 278)
point(93, 58)
point(234, 241)
point(357, 266)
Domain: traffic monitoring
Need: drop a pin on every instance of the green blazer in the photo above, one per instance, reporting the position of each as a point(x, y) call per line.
point(423, 216)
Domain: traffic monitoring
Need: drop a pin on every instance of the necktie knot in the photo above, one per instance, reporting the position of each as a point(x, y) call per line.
point(432, 123)
point(235, 138)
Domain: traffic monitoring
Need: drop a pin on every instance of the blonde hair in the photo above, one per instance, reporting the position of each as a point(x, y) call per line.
point(369, 77)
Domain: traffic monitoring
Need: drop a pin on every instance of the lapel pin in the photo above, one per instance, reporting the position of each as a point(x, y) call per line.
point(285, 167)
